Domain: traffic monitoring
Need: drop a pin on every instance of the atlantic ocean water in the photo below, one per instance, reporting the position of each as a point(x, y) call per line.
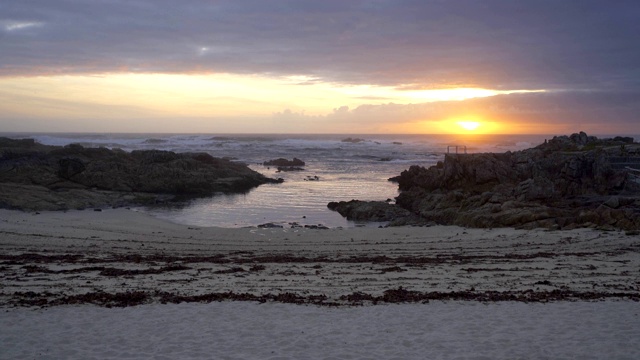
point(338, 167)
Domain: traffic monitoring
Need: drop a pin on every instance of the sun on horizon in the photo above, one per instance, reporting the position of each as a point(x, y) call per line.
point(469, 125)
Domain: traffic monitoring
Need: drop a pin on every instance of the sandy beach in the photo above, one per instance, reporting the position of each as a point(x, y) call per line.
point(463, 293)
point(53, 258)
point(240, 330)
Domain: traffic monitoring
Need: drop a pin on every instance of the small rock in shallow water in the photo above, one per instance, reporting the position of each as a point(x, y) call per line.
point(270, 226)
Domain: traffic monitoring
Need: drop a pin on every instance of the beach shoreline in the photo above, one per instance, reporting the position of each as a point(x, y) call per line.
point(120, 257)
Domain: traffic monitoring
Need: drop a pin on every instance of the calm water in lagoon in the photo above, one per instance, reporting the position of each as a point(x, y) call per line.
point(346, 170)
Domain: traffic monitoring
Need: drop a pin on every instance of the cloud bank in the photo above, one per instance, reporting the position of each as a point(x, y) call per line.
point(585, 52)
point(493, 43)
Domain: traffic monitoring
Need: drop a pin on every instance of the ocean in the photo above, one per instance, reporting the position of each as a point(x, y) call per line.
point(338, 167)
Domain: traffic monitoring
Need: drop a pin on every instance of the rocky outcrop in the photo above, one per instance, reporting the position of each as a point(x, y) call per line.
point(582, 141)
point(376, 211)
point(35, 176)
point(565, 182)
point(284, 162)
point(569, 181)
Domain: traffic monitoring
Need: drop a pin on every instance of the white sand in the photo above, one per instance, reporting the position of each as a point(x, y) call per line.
point(232, 330)
point(67, 245)
point(457, 259)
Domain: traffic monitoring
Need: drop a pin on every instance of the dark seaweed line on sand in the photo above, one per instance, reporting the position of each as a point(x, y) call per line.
point(105, 271)
point(23, 259)
point(391, 296)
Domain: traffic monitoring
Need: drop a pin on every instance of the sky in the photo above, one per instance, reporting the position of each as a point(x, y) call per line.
point(331, 66)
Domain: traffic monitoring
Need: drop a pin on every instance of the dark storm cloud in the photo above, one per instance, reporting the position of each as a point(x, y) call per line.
point(590, 45)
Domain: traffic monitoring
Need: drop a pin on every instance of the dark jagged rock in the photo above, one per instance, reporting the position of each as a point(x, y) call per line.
point(567, 182)
point(581, 141)
point(39, 177)
point(284, 162)
point(378, 211)
point(270, 226)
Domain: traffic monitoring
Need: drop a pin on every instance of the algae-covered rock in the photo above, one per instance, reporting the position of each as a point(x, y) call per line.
point(35, 176)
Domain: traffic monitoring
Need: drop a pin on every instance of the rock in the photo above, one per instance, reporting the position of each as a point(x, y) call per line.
point(353, 140)
point(570, 181)
point(538, 188)
point(581, 141)
point(284, 162)
point(613, 202)
point(316, 227)
point(270, 226)
point(622, 140)
point(35, 176)
point(377, 211)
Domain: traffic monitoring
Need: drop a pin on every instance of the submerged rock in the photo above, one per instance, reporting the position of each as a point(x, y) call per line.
point(353, 140)
point(35, 176)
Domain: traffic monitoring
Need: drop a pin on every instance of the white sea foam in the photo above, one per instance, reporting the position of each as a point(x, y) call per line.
point(232, 330)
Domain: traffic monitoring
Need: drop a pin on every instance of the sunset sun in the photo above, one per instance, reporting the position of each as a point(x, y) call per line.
point(469, 125)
